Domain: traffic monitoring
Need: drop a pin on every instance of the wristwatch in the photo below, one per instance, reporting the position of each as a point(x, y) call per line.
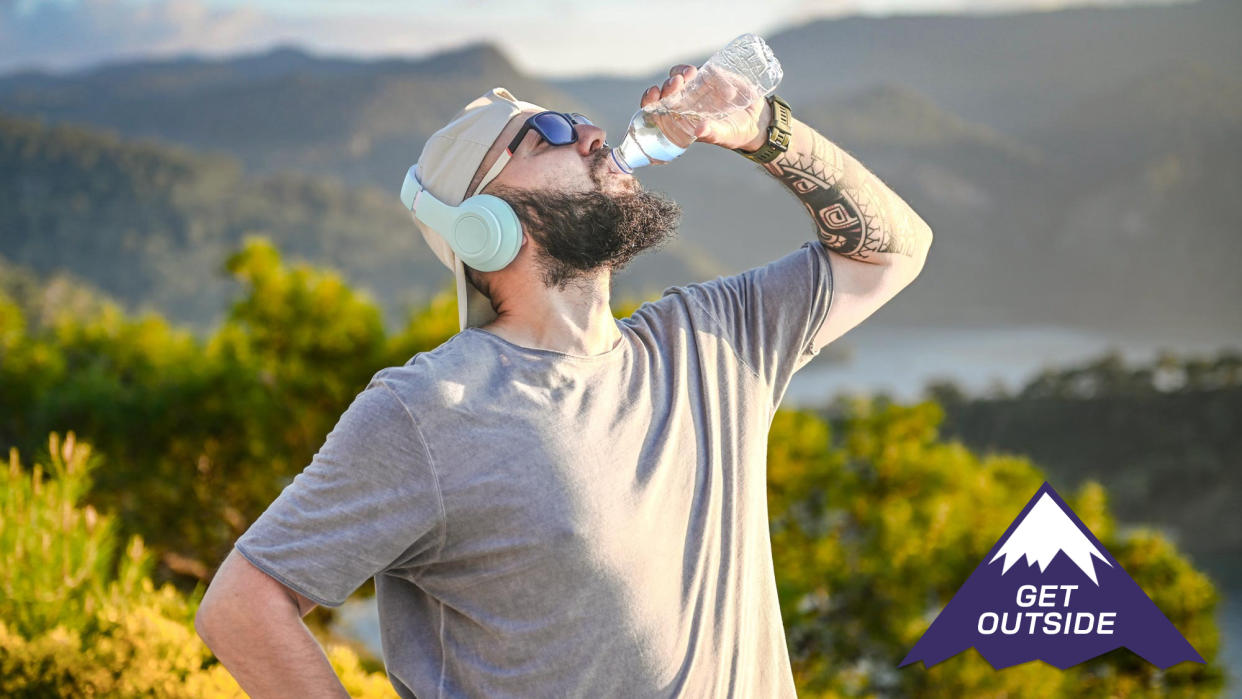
point(779, 133)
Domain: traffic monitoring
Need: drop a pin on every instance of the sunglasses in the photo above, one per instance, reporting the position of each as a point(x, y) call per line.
point(557, 128)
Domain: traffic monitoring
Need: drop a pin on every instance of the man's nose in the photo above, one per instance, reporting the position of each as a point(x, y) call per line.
point(590, 138)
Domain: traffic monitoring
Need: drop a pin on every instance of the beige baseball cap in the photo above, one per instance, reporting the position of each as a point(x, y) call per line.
point(448, 162)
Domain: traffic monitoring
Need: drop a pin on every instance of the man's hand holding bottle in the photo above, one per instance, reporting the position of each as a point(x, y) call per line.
point(718, 92)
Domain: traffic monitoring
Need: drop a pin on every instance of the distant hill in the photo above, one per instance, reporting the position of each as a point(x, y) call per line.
point(42, 299)
point(1011, 71)
point(1162, 438)
point(360, 121)
point(1181, 104)
point(1148, 176)
point(896, 116)
point(972, 184)
point(151, 225)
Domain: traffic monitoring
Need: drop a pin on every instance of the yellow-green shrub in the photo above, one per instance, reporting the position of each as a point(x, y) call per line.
point(77, 620)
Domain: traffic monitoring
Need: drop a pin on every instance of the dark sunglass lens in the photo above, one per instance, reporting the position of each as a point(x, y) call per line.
point(554, 128)
point(581, 119)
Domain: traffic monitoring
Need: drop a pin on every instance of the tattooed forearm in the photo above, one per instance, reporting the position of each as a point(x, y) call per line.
point(855, 214)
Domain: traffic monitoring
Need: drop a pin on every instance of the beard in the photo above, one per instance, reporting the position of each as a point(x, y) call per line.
point(581, 233)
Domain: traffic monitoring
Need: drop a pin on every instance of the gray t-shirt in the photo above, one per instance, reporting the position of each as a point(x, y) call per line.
point(543, 524)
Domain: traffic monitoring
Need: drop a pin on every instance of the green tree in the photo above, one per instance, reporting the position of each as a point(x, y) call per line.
point(201, 436)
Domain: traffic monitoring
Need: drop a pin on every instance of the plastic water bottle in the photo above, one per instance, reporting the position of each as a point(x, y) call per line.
point(742, 72)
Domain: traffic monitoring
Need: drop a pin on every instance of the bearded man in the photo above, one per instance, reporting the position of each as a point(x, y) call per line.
point(555, 501)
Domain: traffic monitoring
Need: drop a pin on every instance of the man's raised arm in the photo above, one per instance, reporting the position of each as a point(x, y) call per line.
point(877, 244)
point(855, 214)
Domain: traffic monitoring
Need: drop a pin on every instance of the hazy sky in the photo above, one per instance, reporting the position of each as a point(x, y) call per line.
point(546, 37)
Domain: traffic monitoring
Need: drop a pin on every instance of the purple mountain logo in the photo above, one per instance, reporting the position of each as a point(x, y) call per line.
point(1049, 590)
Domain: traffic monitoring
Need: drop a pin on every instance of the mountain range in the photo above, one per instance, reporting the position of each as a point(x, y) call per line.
point(1076, 165)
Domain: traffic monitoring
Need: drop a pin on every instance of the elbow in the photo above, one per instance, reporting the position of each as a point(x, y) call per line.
point(202, 627)
point(925, 237)
point(908, 266)
point(207, 619)
point(921, 258)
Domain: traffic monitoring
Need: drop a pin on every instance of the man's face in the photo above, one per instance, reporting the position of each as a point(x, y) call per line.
point(539, 165)
point(582, 215)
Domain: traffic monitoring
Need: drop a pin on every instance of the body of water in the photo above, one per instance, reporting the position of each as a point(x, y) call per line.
point(901, 360)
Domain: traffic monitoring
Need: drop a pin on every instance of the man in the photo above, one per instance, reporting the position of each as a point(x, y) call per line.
point(555, 502)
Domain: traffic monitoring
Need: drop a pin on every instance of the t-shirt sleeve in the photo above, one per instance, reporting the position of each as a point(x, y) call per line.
point(368, 501)
point(771, 313)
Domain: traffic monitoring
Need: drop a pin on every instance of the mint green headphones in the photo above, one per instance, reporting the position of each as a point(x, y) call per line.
point(484, 231)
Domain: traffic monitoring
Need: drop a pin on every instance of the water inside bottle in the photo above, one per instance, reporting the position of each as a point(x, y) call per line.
point(713, 95)
point(644, 144)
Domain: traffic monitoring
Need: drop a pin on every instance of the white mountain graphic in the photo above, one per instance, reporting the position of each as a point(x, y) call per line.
point(1045, 530)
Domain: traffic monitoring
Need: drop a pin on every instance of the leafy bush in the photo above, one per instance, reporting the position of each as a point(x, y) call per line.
point(78, 620)
point(199, 436)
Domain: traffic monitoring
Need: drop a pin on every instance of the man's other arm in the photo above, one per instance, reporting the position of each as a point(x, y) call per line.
point(876, 243)
point(253, 624)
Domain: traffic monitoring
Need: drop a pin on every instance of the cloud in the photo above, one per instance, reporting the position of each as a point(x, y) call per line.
point(70, 34)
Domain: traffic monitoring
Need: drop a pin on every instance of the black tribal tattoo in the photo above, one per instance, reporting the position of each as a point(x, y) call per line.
point(855, 214)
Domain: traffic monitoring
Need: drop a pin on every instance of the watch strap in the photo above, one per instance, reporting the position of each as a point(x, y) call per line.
point(780, 131)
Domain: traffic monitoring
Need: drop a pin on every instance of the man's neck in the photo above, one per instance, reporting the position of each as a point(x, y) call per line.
point(576, 320)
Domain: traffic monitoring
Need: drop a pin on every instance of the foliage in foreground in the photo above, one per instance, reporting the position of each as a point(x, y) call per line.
point(872, 533)
point(77, 619)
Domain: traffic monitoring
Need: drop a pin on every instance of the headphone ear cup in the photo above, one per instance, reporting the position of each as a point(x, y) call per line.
point(487, 233)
